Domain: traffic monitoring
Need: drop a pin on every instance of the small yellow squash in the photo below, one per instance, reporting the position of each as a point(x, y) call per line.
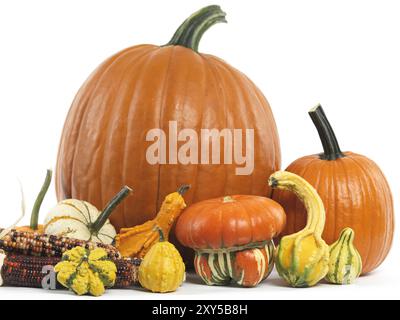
point(344, 260)
point(302, 258)
point(162, 269)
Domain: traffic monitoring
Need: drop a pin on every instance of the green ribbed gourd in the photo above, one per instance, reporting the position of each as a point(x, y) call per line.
point(344, 260)
point(302, 258)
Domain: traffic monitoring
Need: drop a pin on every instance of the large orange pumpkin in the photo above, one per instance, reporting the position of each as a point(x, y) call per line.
point(354, 191)
point(103, 145)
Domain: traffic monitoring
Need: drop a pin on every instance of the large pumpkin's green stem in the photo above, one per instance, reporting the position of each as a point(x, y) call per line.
point(39, 200)
point(105, 214)
point(327, 135)
point(192, 29)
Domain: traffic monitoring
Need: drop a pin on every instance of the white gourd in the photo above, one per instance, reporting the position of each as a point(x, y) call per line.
point(72, 218)
point(81, 220)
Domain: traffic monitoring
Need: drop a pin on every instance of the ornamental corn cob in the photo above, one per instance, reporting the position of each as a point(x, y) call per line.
point(35, 244)
point(26, 271)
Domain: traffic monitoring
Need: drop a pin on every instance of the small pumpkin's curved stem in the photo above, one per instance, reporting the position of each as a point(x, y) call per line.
point(39, 200)
point(105, 214)
point(327, 135)
point(192, 29)
point(183, 189)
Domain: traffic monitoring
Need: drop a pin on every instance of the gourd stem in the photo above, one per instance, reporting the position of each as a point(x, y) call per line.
point(160, 234)
point(327, 135)
point(192, 29)
point(39, 200)
point(183, 189)
point(105, 214)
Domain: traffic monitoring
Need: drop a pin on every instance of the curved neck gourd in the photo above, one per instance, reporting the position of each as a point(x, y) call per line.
point(171, 208)
point(307, 194)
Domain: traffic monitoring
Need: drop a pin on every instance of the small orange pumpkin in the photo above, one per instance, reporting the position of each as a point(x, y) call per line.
point(232, 237)
point(354, 191)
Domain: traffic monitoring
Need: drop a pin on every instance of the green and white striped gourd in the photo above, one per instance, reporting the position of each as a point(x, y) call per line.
point(344, 260)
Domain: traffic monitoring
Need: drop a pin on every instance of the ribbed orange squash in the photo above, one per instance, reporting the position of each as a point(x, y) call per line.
point(354, 191)
point(103, 145)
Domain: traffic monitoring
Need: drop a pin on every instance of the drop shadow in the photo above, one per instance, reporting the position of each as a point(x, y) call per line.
point(193, 278)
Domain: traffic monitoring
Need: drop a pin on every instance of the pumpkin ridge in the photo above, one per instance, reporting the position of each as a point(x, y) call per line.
point(213, 67)
point(109, 102)
point(191, 231)
point(332, 170)
point(200, 125)
point(149, 52)
point(250, 221)
point(276, 158)
point(232, 80)
point(364, 182)
point(346, 175)
point(210, 78)
point(245, 97)
point(108, 64)
point(143, 61)
point(243, 79)
point(371, 164)
point(78, 118)
point(382, 255)
point(160, 114)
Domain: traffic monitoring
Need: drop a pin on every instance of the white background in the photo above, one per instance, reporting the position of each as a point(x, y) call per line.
point(343, 54)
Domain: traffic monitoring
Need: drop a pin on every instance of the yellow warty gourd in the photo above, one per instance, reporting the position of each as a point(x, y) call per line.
point(162, 268)
point(302, 258)
point(344, 260)
point(86, 271)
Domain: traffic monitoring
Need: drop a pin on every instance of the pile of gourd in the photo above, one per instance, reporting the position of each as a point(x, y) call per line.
point(336, 198)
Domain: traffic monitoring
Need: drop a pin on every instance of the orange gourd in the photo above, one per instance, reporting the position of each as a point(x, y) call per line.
point(136, 241)
point(232, 237)
point(354, 191)
point(103, 145)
